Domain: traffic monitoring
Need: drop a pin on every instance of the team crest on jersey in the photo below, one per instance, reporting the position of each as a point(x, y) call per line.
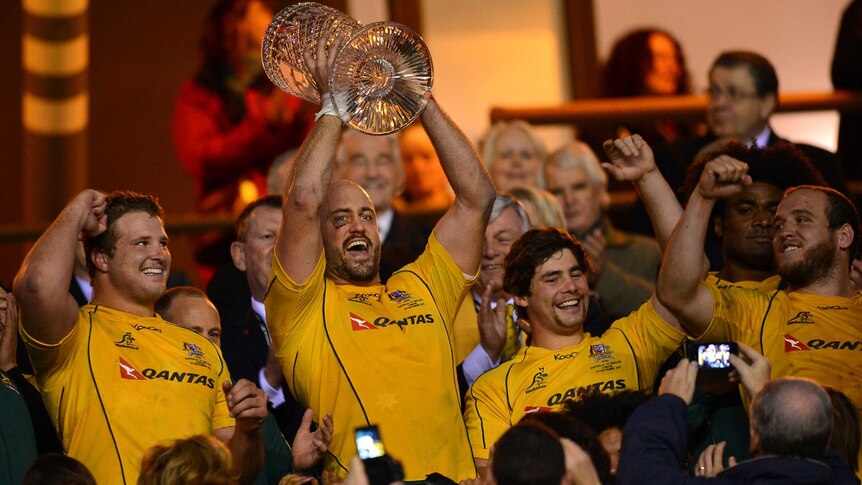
point(128, 371)
point(601, 352)
point(538, 381)
point(403, 299)
point(140, 327)
point(364, 298)
point(6, 381)
point(127, 342)
point(801, 317)
point(196, 355)
point(359, 323)
point(793, 344)
point(193, 349)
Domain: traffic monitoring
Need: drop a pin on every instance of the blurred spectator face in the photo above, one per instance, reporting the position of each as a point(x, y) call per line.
point(369, 161)
point(422, 169)
point(579, 198)
point(254, 254)
point(252, 26)
point(734, 109)
point(745, 226)
point(516, 162)
point(197, 315)
point(499, 236)
point(664, 76)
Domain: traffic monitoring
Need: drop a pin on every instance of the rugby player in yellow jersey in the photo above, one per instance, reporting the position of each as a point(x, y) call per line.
point(115, 377)
point(811, 328)
point(373, 353)
point(741, 224)
point(545, 272)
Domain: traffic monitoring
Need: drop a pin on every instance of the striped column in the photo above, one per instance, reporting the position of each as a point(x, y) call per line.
point(55, 104)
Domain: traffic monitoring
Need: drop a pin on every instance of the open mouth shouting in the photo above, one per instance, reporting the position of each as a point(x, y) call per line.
point(358, 247)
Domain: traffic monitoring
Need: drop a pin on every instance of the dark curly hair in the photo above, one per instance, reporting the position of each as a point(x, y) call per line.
point(605, 411)
point(219, 52)
point(531, 250)
point(631, 60)
point(782, 165)
point(575, 429)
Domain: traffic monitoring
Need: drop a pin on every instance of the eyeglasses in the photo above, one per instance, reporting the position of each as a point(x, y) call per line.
point(731, 94)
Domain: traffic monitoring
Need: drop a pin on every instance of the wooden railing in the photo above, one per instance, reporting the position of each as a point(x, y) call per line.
point(606, 111)
point(609, 111)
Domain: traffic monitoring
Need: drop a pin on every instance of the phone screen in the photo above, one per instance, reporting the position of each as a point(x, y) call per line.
point(715, 356)
point(368, 443)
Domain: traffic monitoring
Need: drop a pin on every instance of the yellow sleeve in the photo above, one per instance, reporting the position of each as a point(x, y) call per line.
point(49, 359)
point(651, 338)
point(294, 314)
point(736, 314)
point(486, 414)
point(444, 278)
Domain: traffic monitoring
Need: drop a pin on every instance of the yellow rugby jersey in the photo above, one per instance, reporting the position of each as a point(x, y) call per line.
point(378, 355)
point(628, 356)
point(813, 336)
point(119, 384)
point(768, 285)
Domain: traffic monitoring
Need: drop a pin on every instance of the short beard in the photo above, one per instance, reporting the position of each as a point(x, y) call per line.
point(338, 264)
point(816, 266)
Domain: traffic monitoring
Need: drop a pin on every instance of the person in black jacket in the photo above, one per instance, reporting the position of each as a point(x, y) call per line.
point(791, 422)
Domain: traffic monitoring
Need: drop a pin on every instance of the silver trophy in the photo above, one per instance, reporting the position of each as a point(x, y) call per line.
point(380, 77)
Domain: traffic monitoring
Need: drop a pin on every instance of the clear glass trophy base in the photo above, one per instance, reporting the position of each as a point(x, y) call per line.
point(381, 78)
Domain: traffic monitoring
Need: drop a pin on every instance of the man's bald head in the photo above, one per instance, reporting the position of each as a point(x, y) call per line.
point(792, 417)
point(351, 241)
point(189, 307)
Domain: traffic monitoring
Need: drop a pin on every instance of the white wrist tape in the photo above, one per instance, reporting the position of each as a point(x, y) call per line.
point(327, 107)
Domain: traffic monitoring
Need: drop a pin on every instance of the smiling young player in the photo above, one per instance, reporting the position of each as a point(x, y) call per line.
point(546, 276)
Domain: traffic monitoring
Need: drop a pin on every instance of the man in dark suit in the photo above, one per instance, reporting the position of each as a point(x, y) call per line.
point(374, 162)
point(245, 340)
point(742, 96)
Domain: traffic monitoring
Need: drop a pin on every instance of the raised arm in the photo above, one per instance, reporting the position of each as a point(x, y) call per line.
point(631, 158)
point(462, 228)
point(299, 243)
point(679, 286)
point(48, 310)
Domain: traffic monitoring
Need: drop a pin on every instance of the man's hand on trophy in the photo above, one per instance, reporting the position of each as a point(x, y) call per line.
point(319, 60)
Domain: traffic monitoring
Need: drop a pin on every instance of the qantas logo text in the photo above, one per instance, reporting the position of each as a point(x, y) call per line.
point(792, 344)
point(128, 371)
point(602, 386)
point(359, 323)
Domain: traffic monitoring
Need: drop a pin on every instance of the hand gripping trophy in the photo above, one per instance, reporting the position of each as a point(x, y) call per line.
point(380, 76)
